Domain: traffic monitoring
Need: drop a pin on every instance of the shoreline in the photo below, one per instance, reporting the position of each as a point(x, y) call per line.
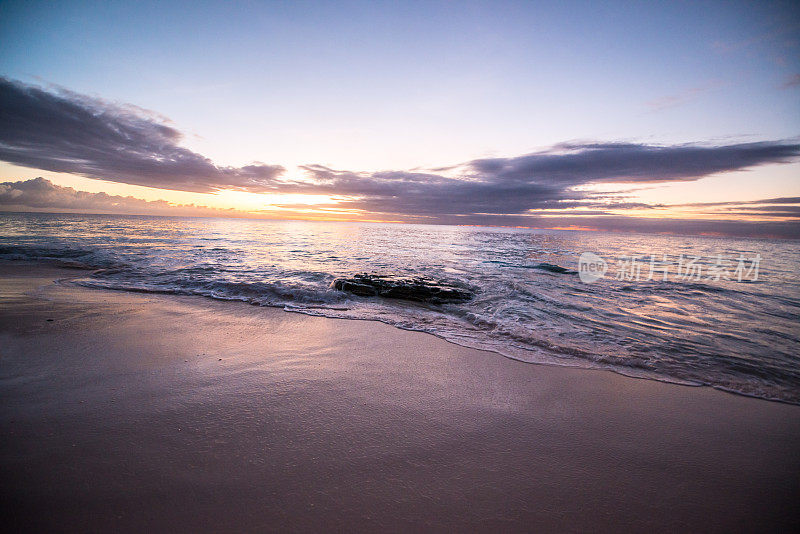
point(555, 361)
point(130, 411)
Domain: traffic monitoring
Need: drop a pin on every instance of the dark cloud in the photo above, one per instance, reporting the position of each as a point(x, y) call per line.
point(576, 164)
point(779, 200)
point(543, 180)
point(65, 132)
point(431, 194)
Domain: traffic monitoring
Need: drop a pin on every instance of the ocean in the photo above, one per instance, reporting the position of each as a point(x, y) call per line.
point(716, 311)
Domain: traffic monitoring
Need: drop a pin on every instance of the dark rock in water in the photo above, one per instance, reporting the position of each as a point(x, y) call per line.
point(553, 268)
point(393, 287)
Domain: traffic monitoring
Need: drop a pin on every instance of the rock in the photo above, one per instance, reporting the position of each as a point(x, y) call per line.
point(394, 287)
point(356, 287)
point(553, 268)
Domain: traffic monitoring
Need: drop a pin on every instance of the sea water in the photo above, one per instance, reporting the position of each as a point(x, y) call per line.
point(717, 311)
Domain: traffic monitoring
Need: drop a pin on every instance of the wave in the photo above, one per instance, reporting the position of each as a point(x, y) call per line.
point(257, 293)
point(685, 332)
point(454, 323)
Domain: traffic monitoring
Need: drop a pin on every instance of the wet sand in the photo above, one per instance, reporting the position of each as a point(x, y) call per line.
point(132, 412)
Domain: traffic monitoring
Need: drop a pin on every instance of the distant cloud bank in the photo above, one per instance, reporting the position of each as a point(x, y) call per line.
point(43, 195)
point(61, 131)
point(40, 194)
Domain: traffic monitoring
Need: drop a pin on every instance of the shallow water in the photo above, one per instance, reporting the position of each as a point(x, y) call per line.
point(687, 324)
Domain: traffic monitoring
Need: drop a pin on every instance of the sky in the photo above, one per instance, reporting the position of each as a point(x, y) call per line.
point(656, 116)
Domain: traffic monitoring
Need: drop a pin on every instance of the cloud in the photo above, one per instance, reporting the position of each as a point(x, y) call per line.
point(584, 163)
point(549, 179)
point(767, 211)
point(62, 131)
point(777, 200)
point(42, 195)
point(682, 97)
point(792, 81)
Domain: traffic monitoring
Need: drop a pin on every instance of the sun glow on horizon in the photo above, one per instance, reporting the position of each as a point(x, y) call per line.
point(244, 200)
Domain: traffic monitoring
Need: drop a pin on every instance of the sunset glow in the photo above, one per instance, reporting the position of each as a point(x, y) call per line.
point(512, 124)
